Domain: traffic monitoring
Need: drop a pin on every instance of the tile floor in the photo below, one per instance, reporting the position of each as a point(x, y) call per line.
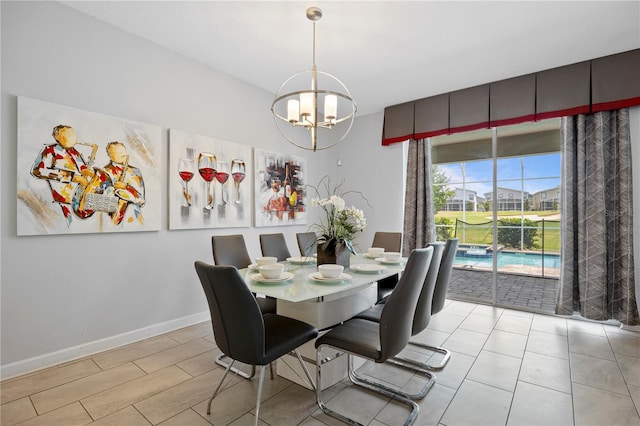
point(508, 368)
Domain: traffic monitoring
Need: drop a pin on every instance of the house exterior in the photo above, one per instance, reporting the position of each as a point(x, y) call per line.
point(463, 199)
point(510, 199)
point(547, 199)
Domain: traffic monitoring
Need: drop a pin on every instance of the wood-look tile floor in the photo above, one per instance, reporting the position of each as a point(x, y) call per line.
point(507, 368)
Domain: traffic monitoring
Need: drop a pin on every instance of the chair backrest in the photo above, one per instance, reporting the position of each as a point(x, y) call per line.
point(425, 300)
point(444, 274)
point(307, 243)
point(274, 245)
point(230, 250)
point(238, 326)
point(389, 241)
point(396, 320)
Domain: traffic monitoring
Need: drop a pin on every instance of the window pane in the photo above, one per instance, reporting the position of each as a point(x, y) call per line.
point(542, 166)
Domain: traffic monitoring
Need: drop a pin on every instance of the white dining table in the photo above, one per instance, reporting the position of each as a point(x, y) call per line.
point(303, 287)
point(321, 303)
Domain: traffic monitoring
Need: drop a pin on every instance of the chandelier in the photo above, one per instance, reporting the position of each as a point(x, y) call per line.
point(296, 107)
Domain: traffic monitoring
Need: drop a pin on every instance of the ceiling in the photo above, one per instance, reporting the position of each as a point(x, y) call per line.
point(386, 52)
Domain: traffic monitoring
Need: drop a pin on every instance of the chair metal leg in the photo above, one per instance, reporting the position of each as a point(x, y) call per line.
point(224, 376)
point(443, 351)
point(304, 368)
point(381, 390)
point(259, 397)
point(360, 380)
point(219, 361)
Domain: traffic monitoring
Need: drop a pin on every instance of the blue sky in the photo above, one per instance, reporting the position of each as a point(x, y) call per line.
point(540, 172)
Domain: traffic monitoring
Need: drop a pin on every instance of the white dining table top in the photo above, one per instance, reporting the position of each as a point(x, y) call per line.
point(302, 287)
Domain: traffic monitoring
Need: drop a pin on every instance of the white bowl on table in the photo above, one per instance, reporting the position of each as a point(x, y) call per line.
point(272, 272)
point(330, 270)
point(266, 260)
point(392, 256)
point(375, 251)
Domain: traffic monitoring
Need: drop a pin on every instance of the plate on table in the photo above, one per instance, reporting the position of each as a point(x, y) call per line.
point(389, 262)
point(370, 256)
point(286, 276)
point(368, 268)
point(317, 277)
point(301, 260)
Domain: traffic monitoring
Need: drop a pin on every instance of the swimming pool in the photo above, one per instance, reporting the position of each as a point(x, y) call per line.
point(506, 258)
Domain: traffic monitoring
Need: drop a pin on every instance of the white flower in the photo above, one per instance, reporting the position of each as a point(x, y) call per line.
point(340, 224)
point(338, 203)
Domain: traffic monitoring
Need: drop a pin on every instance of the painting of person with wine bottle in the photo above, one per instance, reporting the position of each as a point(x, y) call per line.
point(280, 194)
point(79, 182)
point(128, 185)
point(64, 168)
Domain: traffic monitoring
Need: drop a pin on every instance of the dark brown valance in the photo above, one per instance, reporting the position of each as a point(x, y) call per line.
point(615, 81)
point(563, 91)
point(611, 82)
point(469, 109)
point(398, 123)
point(431, 116)
point(513, 101)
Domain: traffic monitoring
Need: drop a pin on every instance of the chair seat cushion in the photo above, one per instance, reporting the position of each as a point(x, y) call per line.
point(358, 336)
point(284, 334)
point(371, 314)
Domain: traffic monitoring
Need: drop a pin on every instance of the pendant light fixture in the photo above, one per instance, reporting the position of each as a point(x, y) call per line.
point(312, 109)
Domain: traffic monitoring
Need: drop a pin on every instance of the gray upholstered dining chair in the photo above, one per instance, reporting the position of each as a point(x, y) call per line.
point(379, 341)
point(274, 245)
point(440, 296)
point(389, 241)
point(231, 250)
point(421, 317)
point(242, 332)
point(307, 243)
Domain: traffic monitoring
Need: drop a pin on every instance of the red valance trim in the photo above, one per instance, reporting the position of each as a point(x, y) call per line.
point(515, 120)
point(483, 125)
point(397, 139)
point(607, 106)
point(584, 109)
point(430, 134)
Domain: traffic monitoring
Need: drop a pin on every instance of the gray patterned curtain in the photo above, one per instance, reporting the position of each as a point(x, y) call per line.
point(418, 203)
point(597, 277)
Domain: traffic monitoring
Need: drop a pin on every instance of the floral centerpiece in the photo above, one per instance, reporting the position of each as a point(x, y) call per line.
point(337, 230)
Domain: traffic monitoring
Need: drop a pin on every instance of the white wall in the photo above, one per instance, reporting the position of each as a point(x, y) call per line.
point(378, 172)
point(54, 306)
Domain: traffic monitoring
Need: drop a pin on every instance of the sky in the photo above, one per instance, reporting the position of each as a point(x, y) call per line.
point(540, 172)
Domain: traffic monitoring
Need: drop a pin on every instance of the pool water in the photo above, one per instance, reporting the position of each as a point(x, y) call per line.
point(510, 258)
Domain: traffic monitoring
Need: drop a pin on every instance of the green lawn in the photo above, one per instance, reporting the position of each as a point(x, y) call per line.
point(477, 227)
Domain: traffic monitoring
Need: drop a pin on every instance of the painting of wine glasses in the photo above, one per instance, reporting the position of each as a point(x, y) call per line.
point(207, 187)
point(280, 197)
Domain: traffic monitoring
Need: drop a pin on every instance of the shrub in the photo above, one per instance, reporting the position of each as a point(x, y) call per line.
point(510, 237)
point(444, 228)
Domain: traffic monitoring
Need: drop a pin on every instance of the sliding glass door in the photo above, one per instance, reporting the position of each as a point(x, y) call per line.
point(498, 191)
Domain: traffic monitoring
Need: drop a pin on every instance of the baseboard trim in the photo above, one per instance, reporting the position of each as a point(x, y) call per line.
point(40, 362)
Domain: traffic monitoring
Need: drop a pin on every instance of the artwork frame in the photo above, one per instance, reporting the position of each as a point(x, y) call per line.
point(195, 203)
point(280, 189)
point(66, 184)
